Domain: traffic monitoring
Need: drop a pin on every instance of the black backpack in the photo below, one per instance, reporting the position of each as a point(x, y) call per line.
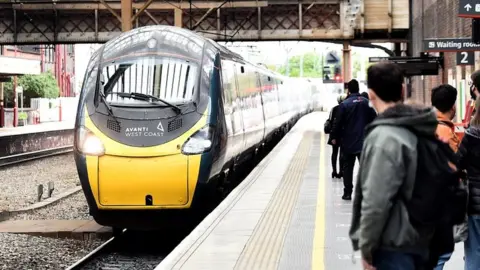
point(327, 127)
point(438, 194)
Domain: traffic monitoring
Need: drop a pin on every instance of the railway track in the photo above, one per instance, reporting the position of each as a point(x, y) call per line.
point(130, 250)
point(28, 156)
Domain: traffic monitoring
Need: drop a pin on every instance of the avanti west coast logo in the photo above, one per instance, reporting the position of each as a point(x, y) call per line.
point(144, 131)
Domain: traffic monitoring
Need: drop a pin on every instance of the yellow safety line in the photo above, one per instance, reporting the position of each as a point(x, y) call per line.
point(318, 260)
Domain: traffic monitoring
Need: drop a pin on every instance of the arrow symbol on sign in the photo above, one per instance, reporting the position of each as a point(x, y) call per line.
point(468, 7)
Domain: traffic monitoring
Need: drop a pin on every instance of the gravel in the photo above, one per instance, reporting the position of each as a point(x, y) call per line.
point(19, 183)
point(20, 251)
point(73, 207)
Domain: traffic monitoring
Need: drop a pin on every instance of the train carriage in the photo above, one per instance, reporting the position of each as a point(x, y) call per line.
point(164, 114)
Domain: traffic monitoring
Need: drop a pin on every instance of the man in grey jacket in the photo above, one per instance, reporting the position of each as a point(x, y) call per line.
point(380, 226)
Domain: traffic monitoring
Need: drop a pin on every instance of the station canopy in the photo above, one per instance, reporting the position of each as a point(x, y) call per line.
point(11, 66)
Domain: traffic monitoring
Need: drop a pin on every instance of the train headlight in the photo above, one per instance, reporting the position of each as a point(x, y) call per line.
point(200, 142)
point(89, 144)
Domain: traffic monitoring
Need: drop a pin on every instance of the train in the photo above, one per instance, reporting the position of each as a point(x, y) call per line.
point(165, 115)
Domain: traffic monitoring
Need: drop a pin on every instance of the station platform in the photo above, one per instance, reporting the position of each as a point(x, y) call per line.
point(38, 128)
point(76, 229)
point(287, 214)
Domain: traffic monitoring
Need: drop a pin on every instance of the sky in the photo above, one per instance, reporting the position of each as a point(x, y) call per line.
point(267, 52)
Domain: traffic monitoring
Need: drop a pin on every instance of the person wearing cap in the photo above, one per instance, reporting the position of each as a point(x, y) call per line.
point(348, 131)
point(336, 147)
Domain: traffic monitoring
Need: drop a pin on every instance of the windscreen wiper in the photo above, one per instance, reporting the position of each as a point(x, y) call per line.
point(146, 97)
point(109, 108)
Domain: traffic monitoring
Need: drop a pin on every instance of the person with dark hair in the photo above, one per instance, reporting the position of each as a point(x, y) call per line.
point(469, 156)
point(336, 150)
point(381, 228)
point(365, 95)
point(443, 99)
point(474, 92)
point(354, 114)
point(475, 84)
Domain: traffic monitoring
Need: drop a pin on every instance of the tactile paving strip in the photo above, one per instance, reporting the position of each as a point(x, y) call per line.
point(299, 239)
point(265, 246)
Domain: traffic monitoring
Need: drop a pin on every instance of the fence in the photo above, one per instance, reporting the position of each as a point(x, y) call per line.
point(57, 109)
point(47, 110)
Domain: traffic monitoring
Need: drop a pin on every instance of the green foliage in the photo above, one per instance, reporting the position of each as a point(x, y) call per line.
point(272, 67)
point(22, 116)
point(34, 86)
point(312, 66)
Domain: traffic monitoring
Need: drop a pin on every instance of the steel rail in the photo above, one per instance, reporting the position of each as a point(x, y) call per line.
point(28, 156)
point(95, 253)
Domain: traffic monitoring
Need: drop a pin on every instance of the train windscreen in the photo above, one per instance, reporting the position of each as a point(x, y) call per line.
point(167, 78)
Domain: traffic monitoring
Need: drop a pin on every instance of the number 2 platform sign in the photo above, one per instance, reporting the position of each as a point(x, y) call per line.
point(464, 48)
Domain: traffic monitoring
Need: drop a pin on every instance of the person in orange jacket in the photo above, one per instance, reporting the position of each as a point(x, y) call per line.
point(444, 98)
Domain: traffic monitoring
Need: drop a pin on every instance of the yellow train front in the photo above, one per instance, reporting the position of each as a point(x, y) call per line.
point(163, 114)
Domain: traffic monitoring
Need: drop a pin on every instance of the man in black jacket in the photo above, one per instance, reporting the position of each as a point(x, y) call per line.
point(354, 114)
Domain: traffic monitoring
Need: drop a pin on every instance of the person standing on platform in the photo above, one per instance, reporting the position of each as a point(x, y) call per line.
point(469, 156)
point(354, 114)
point(365, 95)
point(336, 150)
point(475, 84)
point(443, 99)
point(381, 228)
point(474, 90)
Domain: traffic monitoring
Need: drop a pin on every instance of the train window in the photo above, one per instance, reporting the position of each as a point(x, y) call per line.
point(243, 84)
point(228, 77)
point(242, 69)
point(171, 79)
point(268, 78)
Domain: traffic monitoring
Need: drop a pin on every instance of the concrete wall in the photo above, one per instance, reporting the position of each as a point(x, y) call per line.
point(439, 20)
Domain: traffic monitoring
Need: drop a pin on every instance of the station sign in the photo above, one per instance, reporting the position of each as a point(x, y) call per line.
point(414, 66)
point(332, 58)
point(466, 58)
point(450, 45)
point(469, 9)
point(377, 59)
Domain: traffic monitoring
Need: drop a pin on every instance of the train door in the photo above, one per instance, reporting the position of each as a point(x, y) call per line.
point(244, 90)
point(263, 106)
point(238, 127)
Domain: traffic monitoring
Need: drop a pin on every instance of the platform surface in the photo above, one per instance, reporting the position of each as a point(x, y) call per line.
point(78, 229)
point(42, 127)
point(287, 214)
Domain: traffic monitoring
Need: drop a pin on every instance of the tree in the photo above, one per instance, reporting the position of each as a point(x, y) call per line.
point(34, 86)
point(312, 66)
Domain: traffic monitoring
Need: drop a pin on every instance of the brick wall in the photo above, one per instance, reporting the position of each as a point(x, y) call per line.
point(439, 20)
